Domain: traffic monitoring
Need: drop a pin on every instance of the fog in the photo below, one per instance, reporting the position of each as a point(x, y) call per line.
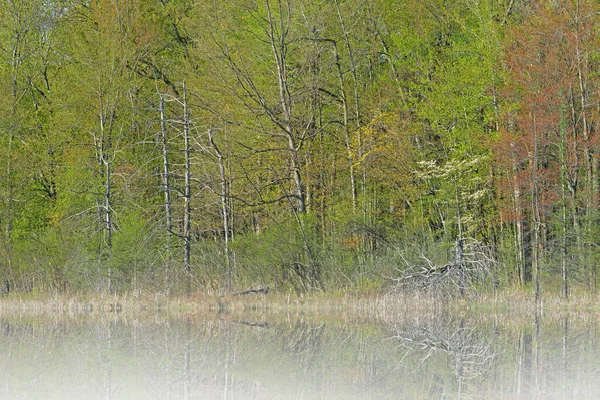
point(284, 356)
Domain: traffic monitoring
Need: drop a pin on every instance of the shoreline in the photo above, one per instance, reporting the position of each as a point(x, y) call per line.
point(374, 304)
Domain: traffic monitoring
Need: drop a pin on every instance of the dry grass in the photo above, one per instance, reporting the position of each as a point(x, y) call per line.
point(373, 306)
point(198, 303)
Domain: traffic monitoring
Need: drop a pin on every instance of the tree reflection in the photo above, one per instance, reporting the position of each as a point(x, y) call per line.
point(470, 352)
point(247, 356)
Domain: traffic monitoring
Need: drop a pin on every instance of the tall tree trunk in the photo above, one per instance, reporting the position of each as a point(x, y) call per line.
point(166, 182)
point(535, 241)
point(589, 159)
point(108, 203)
point(104, 148)
point(460, 261)
point(568, 187)
point(187, 196)
point(565, 219)
point(535, 244)
point(166, 168)
point(345, 111)
point(224, 208)
point(345, 101)
point(279, 49)
point(519, 236)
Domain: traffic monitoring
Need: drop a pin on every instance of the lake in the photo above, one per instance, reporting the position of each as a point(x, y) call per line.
point(299, 356)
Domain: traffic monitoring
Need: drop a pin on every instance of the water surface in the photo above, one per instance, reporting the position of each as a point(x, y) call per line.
point(281, 356)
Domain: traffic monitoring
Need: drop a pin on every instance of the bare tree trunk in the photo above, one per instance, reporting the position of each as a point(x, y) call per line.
point(357, 114)
point(279, 48)
point(8, 201)
point(564, 250)
point(535, 243)
point(460, 262)
point(535, 216)
point(224, 208)
point(166, 181)
point(187, 196)
point(295, 162)
point(588, 154)
point(166, 176)
point(344, 99)
point(519, 248)
point(104, 147)
point(564, 216)
point(107, 203)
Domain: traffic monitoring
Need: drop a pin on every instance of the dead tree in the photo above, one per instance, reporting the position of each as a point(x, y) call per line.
point(187, 195)
point(166, 167)
point(185, 232)
point(471, 268)
point(105, 156)
point(224, 206)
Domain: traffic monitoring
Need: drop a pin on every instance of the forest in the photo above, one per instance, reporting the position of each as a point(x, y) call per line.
point(300, 145)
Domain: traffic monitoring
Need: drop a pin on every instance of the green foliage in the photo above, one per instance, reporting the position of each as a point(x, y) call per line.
point(347, 137)
point(132, 249)
point(269, 258)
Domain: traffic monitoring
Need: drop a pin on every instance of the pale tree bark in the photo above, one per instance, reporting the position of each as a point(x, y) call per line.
point(536, 220)
point(564, 214)
point(345, 122)
point(187, 195)
point(103, 145)
point(519, 236)
point(166, 168)
point(278, 108)
point(582, 59)
point(357, 115)
point(277, 32)
point(166, 182)
point(459, 260)
point(224, 207)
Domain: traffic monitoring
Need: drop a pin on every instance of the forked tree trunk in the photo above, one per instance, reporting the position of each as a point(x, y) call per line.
point(278, 40)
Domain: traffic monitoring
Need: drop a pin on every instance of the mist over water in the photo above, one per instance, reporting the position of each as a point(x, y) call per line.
point(262, 356)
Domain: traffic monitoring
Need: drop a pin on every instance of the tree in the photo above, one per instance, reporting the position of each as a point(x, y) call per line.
point(27, 66)
point(553, 123)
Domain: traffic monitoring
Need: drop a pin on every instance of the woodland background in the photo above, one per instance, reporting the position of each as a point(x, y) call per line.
point(182, 145)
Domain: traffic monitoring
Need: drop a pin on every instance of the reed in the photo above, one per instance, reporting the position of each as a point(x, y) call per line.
point(375, 305)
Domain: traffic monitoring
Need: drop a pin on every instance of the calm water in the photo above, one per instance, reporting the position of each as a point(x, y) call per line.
point(258, 356)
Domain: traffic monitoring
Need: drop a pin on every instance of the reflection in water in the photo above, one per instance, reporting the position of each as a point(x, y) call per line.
point(284, 357)
point(468, 350)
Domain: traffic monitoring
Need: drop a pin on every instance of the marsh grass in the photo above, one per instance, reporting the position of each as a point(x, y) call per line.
point(373, 306)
